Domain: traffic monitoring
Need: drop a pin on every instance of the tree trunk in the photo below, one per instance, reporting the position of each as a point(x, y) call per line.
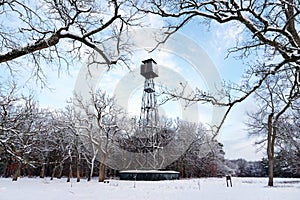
point(17, 172)
point(78, 159)
point(183, 170)
point(53, 172)
point(6, 170)
point(101, 172)
point(70, 173)
point(271, 172)
point(42, 173)
point(89, 177)
point(270, 149)
point(92, 168)
point(78, 170)
point(60, 171)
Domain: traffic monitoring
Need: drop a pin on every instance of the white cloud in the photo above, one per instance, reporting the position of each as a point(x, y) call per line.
point(155, 21)
point(226, 36)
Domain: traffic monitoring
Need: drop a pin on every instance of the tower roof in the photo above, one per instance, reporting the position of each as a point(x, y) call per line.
point(149, 69)
point(149, 60)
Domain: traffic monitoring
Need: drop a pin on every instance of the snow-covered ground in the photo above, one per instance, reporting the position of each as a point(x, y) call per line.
point(201, 189)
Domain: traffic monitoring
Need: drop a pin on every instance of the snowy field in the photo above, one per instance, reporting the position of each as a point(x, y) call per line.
point(201, 189)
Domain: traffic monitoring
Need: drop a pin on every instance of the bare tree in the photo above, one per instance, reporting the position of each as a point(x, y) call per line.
point(98, 126)
point(18, 128)
point(203, 157)
point(287, 151)
point(274, 101)
point(24, 132)
point(289, 139)
point(44, 142)
point(61, 142)
point(60, 31)
point(66, 125)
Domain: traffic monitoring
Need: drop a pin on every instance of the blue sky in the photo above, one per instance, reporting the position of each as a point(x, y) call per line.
point(214, 42)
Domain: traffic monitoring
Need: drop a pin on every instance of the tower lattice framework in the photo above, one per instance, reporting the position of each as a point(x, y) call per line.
point(149, 120)
point(149, 112)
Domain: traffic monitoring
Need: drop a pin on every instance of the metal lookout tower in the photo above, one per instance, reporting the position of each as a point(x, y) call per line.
point(149, 113)
point(148, 135)
point(150, 139)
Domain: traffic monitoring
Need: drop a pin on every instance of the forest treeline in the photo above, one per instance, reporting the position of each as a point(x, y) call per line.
point(35, 141)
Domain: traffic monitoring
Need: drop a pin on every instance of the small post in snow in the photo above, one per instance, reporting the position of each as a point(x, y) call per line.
point(228, 179)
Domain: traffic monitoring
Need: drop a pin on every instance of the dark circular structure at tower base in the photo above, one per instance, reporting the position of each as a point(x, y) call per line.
point(148, 175)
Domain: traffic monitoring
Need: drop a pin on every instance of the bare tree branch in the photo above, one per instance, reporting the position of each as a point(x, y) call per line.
point(45, 29)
